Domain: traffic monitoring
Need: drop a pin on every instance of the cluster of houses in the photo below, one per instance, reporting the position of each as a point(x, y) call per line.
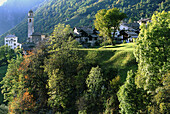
point(86, 36)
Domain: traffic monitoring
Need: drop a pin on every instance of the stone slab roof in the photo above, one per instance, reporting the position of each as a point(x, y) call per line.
point(10, 36)
point(36, 34)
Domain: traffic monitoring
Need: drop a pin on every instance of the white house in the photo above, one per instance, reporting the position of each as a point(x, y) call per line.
point(12, 41)
point(125, 33)
point(123, 27)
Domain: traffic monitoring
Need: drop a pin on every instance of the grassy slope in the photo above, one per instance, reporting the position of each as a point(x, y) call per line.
point(114, 60)
point(125, 47)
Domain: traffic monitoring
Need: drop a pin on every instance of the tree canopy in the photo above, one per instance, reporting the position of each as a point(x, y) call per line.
point(6, 53)
point(153, 56)
point(107, 21)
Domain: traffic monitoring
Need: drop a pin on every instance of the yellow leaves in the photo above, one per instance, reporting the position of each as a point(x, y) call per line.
point(26, 77)
point(118, 2)
point(115, 81)
point(23, 102)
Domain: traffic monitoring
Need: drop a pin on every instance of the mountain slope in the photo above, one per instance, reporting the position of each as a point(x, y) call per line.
point(13, 12)
point(82, 12)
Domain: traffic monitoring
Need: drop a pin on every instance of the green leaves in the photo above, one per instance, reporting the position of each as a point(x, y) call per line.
point(61, 37)
point(152, 54)
point(106, 20)
point(6, 54)
point(152, 48)
point(61, 67)
point(131, 99)
point(11, 80)
point(95, 81)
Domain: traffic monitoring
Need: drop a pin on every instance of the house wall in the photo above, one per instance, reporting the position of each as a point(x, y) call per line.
point(123, 27)
point(36, 39)
point(12, 42)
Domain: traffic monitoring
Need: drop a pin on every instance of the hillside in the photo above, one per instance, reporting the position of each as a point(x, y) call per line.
point(118, 59)
point(82, 12)
point(3, 70)
point(13, 12)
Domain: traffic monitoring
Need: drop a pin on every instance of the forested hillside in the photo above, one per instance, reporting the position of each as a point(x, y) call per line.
point(60, 77)
point(81, 13)
point(13, 12)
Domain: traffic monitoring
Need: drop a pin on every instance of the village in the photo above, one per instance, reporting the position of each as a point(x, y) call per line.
point(84, 57)
point(86, 36)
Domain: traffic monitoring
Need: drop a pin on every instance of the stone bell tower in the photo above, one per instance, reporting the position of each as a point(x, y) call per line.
point(30, 23)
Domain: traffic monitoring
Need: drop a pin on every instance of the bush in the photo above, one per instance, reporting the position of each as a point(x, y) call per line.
point(3, 109)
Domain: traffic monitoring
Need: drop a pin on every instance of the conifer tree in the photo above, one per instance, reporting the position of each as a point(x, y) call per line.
point(128, 96)
point(95, 91)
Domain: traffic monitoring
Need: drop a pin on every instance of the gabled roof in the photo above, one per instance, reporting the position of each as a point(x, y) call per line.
point(10, 36)
point(94, 36)
point(134, 25)
point(30, 11)
point(28, 47)
point(36, 34)
point(88, 30)
point(131, 33)
point(127, 25)
point(147, 19)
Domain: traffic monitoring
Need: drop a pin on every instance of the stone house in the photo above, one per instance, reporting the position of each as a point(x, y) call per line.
point(86, 36)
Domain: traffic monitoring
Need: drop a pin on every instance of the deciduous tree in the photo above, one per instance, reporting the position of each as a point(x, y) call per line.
point(108, 21)
point(61, 68)
point(153, 57)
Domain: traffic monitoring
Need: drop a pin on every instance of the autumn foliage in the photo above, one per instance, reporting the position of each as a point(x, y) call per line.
point(22, 103)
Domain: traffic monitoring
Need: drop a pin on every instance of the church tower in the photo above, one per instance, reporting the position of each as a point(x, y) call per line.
point(30, 23)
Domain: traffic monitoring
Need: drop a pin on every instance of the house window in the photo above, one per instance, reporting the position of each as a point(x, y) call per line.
point(15, 44)
point(30, 20)
point(90, 38)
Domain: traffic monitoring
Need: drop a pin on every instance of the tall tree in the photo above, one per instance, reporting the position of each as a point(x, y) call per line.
point(107, 21)
point(10, 83)
point(153, 56)
point(62, 69)
point(94, 102)
point(131, 98)
point(6, 53)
